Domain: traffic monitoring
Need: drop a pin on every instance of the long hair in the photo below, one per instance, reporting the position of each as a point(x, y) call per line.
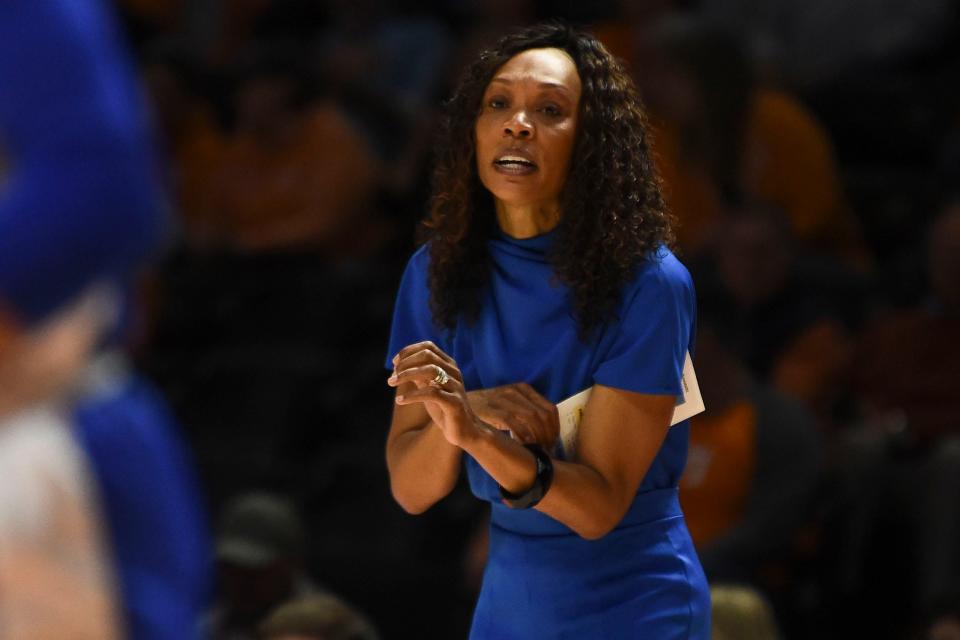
point(612, 212)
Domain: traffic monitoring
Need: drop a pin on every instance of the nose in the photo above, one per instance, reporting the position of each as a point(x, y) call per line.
point(519, 125)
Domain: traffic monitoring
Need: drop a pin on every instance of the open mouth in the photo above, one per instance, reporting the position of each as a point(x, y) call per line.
point(514, 165)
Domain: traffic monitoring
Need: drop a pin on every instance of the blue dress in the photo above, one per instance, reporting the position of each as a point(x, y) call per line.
point(542, 580)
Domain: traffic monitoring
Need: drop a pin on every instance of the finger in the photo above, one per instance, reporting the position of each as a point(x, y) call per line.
point(428, 357)
point(519, 402)
point(417, 347)
point(548, 409)
point(541, 424)
point(520, 419)
point(437, 395)
point(495, 419)
point(498, 427)
point(533, 396)
point(526, 436)
point(426, 374)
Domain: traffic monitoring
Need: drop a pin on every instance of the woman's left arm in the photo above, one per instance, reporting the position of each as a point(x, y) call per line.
point(619, 437)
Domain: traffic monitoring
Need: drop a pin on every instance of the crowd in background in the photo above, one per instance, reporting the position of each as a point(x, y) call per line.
point(810, 151)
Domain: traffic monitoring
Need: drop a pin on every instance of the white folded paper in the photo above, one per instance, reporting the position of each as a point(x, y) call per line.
point(571, 409)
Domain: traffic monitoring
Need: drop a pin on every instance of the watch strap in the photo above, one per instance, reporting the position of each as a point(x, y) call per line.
point(541, 483)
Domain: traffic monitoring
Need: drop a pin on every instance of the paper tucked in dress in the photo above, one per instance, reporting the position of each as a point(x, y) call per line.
point(571, 409)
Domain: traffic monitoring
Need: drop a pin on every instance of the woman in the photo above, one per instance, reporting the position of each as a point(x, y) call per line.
point(545, 272)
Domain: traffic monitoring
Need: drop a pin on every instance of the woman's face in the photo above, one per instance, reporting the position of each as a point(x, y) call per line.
point(527, 126)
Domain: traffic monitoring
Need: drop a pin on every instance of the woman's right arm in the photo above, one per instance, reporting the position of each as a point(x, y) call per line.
point(423, 466)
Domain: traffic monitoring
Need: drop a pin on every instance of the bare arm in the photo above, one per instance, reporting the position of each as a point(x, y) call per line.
point(619, 438)
point(423, 465)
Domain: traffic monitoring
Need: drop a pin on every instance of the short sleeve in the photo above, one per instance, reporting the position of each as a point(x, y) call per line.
point(649, 342)
point(412, 320)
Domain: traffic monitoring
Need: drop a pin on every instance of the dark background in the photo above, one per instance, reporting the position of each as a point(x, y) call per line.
point(296, 138)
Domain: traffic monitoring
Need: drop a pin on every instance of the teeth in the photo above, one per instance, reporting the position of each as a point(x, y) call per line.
point(514, 159)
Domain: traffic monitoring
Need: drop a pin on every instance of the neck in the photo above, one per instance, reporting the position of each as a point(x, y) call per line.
point(527, 220)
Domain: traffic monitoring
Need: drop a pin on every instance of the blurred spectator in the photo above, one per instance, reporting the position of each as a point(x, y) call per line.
point(386, 67)
point(294, 173)
point(909, 360)
point(722, 137)
point(321, 617)
point(619, 33)
point(260, 552)
point(487, 20)
point(752, 470)
point(788, 317)
point(742, 613)
point(814, 41)
point(907, 376)
point(388, 55)
point(189, 127)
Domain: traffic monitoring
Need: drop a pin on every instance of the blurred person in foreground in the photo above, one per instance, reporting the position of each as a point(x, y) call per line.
point(319, 617)
point(80, 211)
point(55, 577)
point(260, 550)
point(546, 272)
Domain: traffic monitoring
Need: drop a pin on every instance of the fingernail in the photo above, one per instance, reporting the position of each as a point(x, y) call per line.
point(400, 398)
point(392, 379)
point(396, 359)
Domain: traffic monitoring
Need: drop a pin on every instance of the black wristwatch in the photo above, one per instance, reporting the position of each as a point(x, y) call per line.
point(541, 484)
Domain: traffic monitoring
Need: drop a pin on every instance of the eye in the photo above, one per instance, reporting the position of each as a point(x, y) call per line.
point(551, 110)
point(496, 103)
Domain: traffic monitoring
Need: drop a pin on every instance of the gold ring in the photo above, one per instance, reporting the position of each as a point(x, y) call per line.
point(442, 377)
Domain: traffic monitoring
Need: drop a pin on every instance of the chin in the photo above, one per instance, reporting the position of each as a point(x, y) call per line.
point(514, 194)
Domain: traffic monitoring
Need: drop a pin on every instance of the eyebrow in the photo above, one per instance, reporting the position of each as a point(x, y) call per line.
point(542, 85)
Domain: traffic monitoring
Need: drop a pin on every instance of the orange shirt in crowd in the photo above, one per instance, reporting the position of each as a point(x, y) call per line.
point(716, 482)
point(302, 189)
point(787, 161)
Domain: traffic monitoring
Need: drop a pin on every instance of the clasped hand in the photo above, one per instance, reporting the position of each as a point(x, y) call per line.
point(462, 415)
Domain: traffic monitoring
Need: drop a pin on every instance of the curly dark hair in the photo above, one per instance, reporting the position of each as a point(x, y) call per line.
point(613, 212)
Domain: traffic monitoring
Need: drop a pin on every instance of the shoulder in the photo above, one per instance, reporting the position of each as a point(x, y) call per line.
point(660, 274)
point(413, 292)
point(419, 260)
point(421, 257)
